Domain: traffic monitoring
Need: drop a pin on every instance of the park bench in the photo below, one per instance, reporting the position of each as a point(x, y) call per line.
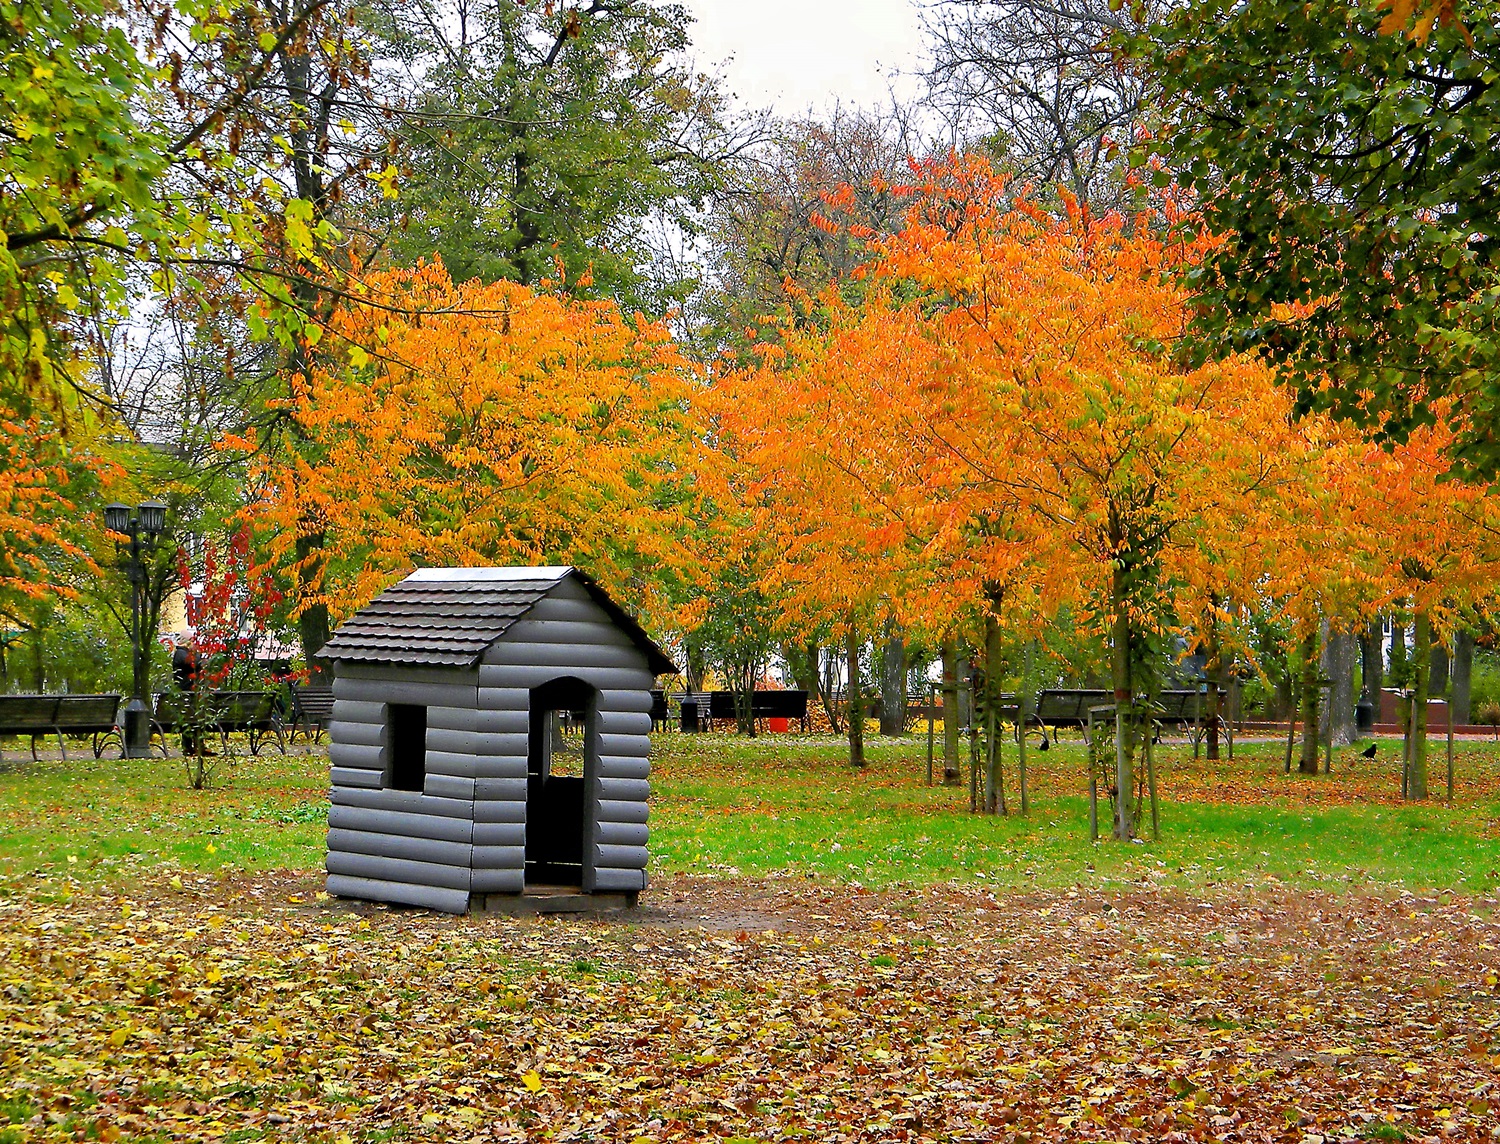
point(96, 716)
point(1177, 708)
point(312, 711)
point(257, 713)
point(1058, 707)
point(701, 710)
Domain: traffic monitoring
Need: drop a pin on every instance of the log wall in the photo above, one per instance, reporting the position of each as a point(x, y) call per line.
point(464, 833)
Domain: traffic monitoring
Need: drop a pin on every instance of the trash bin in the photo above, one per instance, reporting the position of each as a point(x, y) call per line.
point(1364, 716)
point(690, 715)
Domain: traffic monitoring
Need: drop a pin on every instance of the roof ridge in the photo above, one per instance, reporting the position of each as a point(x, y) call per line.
point(450, 616)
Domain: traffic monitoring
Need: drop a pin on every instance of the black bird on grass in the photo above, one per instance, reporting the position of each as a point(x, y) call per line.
point(1045, 744)
point(1368, 752)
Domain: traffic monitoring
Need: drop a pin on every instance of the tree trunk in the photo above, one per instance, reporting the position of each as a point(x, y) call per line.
point(803, 664)
point(856, 697)
point(893, 683)
point(742, 693)
point(697, 667)
point(1338, 664)
point(951, 774)
point(1463, 674)
point(1437, 683)
point(1286, 699)
point(1372, 664)
point(1311, 692)
point(1120, 670)
point(1398, 656)
point(1421, 649)
point(828, 691)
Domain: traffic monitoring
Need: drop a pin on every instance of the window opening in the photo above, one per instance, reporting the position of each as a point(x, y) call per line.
point(565, 744)
point(406, 742)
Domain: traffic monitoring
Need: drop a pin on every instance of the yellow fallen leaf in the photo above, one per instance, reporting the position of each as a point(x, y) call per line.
point(532, 1080)
point(119, 1037)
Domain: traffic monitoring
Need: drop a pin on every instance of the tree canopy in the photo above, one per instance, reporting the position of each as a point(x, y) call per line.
point(1350, 176)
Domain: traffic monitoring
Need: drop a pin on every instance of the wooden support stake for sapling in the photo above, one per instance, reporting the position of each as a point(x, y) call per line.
point(1151, 782)
point(999, 736)
point(1408, 724)
point(1093, 807)
point(1450, 750)
point(1234, 710)
point(991, 758)
point(1021, 717)
point(1291, 731)
point(973, 759)
point(1197, 724)
point(1328, 769)
point(973, 772)
point(931, 723)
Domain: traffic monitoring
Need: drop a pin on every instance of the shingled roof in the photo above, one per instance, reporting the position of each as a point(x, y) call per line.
point(448, 617)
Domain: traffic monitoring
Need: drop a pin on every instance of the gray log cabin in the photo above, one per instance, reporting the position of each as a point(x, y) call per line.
point(489, 737)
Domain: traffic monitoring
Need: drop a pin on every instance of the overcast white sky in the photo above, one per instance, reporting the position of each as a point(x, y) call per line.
point(794, 55)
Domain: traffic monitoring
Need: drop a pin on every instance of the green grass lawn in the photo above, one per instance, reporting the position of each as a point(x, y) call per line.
point(782, 806)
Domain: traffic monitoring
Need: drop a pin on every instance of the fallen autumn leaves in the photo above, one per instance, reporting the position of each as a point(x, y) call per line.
point(198, 1008)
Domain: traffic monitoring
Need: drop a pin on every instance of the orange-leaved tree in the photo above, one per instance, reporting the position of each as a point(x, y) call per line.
point(1430, 543)
point(497, 424)
point(1065, 414)
point(46, 541)
point(815, 429)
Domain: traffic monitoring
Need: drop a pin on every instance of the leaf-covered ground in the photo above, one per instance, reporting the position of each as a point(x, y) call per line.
point(247, 1006)
point(1297, 957)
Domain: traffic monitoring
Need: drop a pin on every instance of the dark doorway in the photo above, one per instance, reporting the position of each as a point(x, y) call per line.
point(560, 762)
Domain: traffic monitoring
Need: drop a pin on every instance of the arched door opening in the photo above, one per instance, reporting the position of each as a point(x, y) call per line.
point(561, 757)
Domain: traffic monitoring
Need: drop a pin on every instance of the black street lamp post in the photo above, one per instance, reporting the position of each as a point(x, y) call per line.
point(144, 526)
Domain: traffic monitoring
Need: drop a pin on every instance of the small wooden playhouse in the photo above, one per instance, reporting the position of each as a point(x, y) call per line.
point(489, 737)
